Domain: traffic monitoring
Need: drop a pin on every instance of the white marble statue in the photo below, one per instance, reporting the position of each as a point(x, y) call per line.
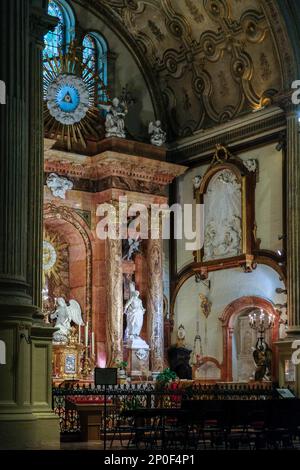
point(157, 135)
point(64, 315)
point(58, 185)
point(114, 122)
point(223, 212)
point(134, 312)
point(133, 247)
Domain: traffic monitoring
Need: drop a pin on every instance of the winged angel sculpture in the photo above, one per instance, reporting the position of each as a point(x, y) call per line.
point(64, 315)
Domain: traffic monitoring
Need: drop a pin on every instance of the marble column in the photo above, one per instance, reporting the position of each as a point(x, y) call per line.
point(293, 221)
point(114, 318)
point(293, 247)
point(26, 417)
point(155, 320)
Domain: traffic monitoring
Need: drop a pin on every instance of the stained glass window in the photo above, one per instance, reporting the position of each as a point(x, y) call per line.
point(90, 53)
point(54, 40)
point(95, 57)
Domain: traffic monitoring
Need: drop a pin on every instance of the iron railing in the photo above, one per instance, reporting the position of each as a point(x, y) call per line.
point(134, 396)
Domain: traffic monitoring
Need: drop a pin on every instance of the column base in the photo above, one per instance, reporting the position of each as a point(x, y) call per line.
point(30, 431)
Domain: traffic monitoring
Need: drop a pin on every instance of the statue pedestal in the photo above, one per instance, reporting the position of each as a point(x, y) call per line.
point(138, 357)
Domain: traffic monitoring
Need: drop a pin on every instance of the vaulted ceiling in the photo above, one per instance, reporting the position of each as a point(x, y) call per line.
point(208, 60)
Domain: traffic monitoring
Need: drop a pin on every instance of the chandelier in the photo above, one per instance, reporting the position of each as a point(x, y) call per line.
point(261, 322)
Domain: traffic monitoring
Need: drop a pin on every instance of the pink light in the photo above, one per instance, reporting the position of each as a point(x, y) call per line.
point(101, 359)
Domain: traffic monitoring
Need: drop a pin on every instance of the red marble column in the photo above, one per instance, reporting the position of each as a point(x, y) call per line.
point(155, 305)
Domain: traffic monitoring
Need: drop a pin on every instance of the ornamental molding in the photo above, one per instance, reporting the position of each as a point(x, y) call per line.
point(259, 124)
point(110, 164)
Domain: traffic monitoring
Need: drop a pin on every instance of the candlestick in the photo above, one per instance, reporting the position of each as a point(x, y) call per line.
point(93, 343)
point(79, 334)
point(87, 334)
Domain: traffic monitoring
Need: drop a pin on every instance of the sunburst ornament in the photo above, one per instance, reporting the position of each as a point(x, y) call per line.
point(72, 93)
point(52, 257)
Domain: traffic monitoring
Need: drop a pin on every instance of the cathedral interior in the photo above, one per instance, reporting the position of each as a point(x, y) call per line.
point(150, 211)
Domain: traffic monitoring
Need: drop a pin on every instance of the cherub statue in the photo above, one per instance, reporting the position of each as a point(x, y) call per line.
point(64, 315)
point(59, 185)
point(133, 247)
point(114, 122)
point(157, 135)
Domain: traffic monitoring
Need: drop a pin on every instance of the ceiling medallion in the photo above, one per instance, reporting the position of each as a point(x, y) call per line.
point(71, 100)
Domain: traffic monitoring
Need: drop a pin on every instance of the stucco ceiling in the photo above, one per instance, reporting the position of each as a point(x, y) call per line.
point(211, 60)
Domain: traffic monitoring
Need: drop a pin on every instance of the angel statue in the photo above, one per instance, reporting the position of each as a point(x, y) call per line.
point(64, 315)
point(133, 247)
point(134, 312)
point(157, 135)
point(114, 122)
point(262, 356)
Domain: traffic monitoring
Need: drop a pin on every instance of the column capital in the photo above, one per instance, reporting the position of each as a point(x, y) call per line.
point(40, 24)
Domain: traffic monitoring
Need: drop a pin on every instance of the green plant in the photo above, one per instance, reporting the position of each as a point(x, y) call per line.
point(166, 376)
point(121, 364)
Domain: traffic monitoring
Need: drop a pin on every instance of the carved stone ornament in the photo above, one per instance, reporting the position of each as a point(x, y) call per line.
point(251, 165)
point(157, 135)
point(197, 181)
point(68, 99)
point(223, 223)
point(114, 122)
point(58, 185)
point(205, 305)
point(142, 354)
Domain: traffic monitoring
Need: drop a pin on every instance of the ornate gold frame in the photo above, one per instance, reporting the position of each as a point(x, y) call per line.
point(223, 159)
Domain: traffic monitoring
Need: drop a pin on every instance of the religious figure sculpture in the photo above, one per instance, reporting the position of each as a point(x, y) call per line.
point(134, 312)
point(58, 185)
point(262, 356)
point(64, 315)
point(157, 135)
point(133, 247)
point(114, 122)
point(223, 216)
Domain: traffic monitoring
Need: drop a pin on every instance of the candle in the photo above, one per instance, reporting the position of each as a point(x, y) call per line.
point(87, 334)
point(79, 334)
point(93, 343)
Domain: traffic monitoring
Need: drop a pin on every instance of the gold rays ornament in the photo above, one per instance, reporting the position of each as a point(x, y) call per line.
point(52, 258)
point(73, 93)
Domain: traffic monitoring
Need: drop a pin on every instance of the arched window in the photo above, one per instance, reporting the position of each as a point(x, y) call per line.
point(63, 33)
point(94, 52)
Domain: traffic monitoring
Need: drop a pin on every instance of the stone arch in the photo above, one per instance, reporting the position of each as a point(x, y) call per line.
point(228, 317)
point(58, 212)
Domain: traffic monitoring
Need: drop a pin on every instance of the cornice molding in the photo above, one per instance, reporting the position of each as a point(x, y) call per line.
point(265, 122)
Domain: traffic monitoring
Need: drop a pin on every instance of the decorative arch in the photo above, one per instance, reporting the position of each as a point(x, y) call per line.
point(53, 211)
point(230, 313)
